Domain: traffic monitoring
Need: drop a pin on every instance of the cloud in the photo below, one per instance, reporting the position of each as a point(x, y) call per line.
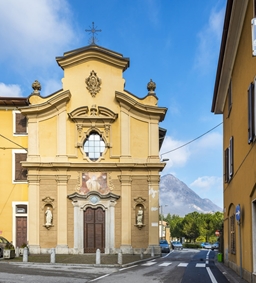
point(10, 90)
point(212, 140)
point(33, 32)
point(177, 158)
point(209, 40)
point(209, 187)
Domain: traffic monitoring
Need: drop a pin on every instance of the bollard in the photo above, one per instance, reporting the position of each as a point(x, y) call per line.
point(25, 254)
point(120, 258)
point(141, 253)
point(52, 255)
point(152, 252)
point(17, 252)
point(98, 256)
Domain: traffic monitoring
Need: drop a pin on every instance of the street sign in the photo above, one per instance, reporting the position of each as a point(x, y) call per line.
point(238, 212)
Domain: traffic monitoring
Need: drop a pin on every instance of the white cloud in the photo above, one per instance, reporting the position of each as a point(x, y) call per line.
point(209, 187)
point(177, 158)
point(10, 90)
point(33, 32)
point(212, 140)
point(209, 40)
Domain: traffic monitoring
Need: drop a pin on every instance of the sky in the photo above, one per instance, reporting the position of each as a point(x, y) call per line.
point(174, 43)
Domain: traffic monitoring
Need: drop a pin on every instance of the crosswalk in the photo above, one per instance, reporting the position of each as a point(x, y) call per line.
point(167, 263)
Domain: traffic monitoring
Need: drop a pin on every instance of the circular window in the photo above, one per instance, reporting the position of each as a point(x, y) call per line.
point(94, 146)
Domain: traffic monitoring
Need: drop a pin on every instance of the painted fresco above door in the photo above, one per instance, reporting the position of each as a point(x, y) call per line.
point(94, 181)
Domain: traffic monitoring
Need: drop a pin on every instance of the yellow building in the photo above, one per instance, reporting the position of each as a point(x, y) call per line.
point(92, 160)
point(234, 98)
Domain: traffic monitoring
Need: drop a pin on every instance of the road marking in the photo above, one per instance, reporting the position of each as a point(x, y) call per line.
point(128, 267)
point(99, 277)
point(182, 264)
point(200, 265)
point(211, 275)
point(149, 263)
point(165, 264)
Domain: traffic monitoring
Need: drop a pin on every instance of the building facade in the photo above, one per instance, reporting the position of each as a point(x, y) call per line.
point(92, 163)
point(234, 98)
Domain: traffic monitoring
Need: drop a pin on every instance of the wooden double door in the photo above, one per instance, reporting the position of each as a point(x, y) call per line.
point(94, 230)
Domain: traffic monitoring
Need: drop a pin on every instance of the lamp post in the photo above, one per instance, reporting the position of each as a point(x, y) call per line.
point(162, 226)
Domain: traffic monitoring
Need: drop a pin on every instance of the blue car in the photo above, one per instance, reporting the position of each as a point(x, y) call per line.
point(165, 248)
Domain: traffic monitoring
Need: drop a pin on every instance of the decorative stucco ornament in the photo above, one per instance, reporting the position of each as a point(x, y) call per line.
point(93, 83)
point(36, 87)
point(151, 87)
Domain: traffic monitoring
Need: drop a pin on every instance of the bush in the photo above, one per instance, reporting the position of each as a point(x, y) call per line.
point(191, 245)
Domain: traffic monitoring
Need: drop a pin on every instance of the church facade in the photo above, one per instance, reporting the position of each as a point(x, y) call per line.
point(92, 162)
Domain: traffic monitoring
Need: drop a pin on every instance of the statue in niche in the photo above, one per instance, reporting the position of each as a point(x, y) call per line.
point(140, 216)
point(48, 216)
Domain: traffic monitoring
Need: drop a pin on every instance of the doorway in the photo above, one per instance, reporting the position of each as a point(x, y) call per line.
point(94, 230)
point(21, 231)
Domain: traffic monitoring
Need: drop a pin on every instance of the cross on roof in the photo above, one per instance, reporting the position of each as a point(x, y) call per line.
point(93, 31)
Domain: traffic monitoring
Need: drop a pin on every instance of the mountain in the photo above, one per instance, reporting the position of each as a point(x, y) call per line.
point(181, 200)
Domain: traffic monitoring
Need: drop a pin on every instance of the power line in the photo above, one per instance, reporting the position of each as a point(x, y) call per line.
point(13, 142)
point(192, 140)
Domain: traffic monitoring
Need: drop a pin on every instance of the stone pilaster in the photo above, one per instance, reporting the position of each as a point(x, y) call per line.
point(126, 183)
point(62, 217)
point(33, 214)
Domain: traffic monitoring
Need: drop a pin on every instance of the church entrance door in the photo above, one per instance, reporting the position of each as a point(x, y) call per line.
point(94, 230)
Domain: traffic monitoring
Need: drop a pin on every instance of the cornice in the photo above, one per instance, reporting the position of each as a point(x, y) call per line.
point(49, 104)
point(93, 53)
point(77, 196)
point(233, 24)
point(149, 110)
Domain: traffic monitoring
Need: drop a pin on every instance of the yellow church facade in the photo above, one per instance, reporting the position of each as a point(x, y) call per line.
point(92, 162)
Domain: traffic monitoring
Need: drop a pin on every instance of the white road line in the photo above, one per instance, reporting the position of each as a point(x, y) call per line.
point(128, 267)
point(182, 264)
point(200, 265)
point(149, 263)
point(165, 264)
point(211, 275)
point(98, 278)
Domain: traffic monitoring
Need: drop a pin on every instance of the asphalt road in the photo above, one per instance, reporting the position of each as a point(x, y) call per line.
point(184, 266)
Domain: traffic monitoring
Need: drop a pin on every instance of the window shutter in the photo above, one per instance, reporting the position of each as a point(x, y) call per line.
point(250, 113)
point(226, 167)
point(20, 123)
point(20, 172)
point(231, 157)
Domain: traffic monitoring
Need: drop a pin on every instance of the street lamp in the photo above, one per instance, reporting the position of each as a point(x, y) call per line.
point(162, 226)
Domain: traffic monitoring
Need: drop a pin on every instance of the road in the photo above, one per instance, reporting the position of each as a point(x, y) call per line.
point(176, 267)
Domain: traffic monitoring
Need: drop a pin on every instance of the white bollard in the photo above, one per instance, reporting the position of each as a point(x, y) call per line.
point(52, 255)
point(25, 254)
point(141, 253)
point(120, 258)
point(17, 252)
point(98, 256)
point(152, 252)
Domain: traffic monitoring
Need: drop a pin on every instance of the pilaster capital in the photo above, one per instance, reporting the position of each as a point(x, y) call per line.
point(125, 179)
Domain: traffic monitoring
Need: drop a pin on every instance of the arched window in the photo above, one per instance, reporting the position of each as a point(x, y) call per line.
point(94, 146)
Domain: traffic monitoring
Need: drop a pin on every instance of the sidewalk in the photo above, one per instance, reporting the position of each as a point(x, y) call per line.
point(229, 273)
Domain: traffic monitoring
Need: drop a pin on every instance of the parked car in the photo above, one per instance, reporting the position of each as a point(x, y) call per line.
point(206, 245)
point(165, 248)
point(3, 243)
point(215, 246)
point(176, 245)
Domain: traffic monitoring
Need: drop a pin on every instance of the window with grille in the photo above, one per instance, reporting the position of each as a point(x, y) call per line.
point(232, 235)
point(94, 146)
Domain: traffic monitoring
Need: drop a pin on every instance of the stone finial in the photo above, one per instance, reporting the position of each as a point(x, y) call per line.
point(36, 87)
point(151, 87)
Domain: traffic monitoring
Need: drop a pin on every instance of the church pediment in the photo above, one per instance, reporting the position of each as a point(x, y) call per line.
point(93, 196)
point(93, 113)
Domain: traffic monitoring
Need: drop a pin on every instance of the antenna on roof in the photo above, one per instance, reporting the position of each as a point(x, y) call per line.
point(93, 30)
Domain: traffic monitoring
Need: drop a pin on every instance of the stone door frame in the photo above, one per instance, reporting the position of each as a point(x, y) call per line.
point(94, 200)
